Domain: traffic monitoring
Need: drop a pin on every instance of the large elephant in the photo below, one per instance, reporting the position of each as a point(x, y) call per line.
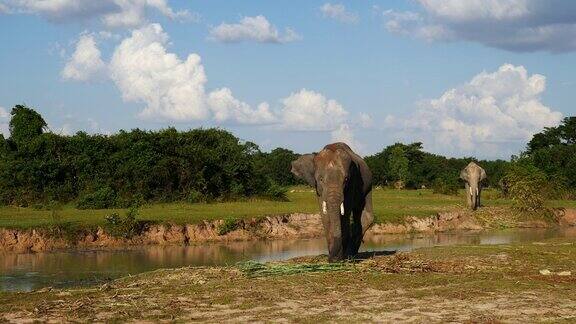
point(343, 185)
point(473, 175)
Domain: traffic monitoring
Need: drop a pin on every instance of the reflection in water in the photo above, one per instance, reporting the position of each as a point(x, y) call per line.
point(25, 272)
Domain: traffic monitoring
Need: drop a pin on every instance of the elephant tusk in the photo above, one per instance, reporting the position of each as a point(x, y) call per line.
point(324, 210)
point(477, 191)
point(471, 191)
point(342, 209)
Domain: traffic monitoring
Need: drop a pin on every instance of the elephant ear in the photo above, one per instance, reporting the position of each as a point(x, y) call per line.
point(464, 174)
point(482, 174)
point(303, 168)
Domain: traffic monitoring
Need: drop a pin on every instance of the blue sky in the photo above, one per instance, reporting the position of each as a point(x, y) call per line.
point(466, 78)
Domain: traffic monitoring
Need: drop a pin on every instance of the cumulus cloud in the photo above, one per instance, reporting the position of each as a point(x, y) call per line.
point(86, 62)
point(172, 88)
point(344, 133)
point(226, 107)
point(365, 120)
point(112, 13)
point(257, 29)
point(145, 72)
point(491, 115)
point(338, 12)
point(4, 9)
point(4, 122)
point(515, 25)
point(309, 110)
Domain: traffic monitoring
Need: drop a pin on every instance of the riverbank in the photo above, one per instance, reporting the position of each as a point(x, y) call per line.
point(280, 227)
point(519, 282)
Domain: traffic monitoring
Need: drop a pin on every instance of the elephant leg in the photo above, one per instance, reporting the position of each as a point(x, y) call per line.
point(469, 201)
point(362, 222)
point(479, 194)
point(346, 241)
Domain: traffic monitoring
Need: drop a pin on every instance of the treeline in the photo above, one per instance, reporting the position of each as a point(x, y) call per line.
point(100, 171)
point(408, 166)
point(128, 168)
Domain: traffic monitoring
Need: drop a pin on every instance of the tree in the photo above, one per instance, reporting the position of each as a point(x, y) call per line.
point(25, 124)
point(398, 163)
point(568, 130)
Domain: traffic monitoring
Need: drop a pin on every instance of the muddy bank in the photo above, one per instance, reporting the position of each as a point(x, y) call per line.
point(292, 226)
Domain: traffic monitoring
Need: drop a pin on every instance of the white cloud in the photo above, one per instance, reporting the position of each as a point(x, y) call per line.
point(493, 115)
point(86, 62)
point(515, 25)
point(172, 88)
point(4, 9)
point(345, 134)
point(132, 13)
point(226, 107)
point(112, 13)
point(145, 72)
point(366, 120)
point(338, 12)
point(4, 122)
point(257, 29)
point(309, 110)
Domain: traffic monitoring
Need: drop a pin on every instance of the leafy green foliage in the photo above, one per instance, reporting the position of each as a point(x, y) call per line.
point(276, 192)
point(102, 171)
point(124, 227)
point(102, 198)
point(276, 165)
point(554, 152)
point(527, 186)
point(417, 168)
point(229, 225)
point(25, 124)
point(446, 186)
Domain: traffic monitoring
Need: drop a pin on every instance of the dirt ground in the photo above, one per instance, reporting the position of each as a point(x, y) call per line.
point(503, 283)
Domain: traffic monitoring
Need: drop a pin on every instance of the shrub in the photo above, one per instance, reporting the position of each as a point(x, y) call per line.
point(445, 186)
point(125, 227)
point(276, 192)
point(228, 226)
point(104, 197)
point(195, 196)
point(527, 186)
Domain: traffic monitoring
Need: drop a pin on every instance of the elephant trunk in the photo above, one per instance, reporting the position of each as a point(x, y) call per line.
point(474, 192)
point(334, 213)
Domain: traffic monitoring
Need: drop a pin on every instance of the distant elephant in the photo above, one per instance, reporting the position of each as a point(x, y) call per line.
point(343, 185)
point(473, 175)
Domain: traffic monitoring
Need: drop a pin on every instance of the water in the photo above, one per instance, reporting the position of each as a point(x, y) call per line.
point(26, 272)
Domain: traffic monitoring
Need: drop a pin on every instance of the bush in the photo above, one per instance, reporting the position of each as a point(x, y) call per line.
point(276, 192)
point(527, 186)
point(195, 196)
point(126, 227)
point(445, 186)
point(102, 198)
point(228, 226)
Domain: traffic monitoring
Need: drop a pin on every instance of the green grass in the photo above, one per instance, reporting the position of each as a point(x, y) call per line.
point(389, 206)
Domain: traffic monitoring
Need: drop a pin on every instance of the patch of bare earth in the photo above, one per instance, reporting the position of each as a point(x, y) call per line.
point(466, 284)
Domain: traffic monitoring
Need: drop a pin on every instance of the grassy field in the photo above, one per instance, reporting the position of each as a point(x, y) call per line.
point(529, 282)
point(390, 206)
